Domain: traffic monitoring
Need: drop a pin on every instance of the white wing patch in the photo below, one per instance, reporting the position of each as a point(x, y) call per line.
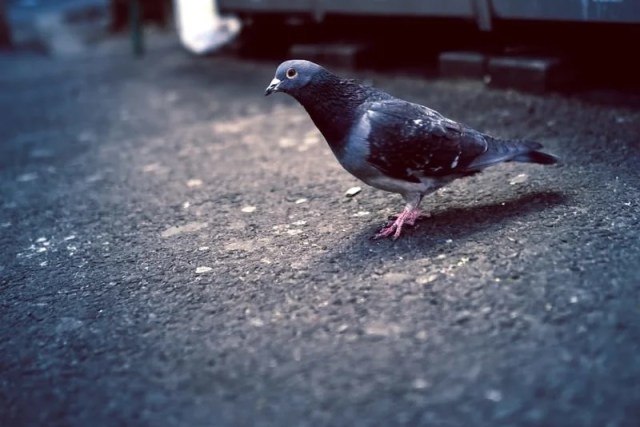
point(455, 161)
point(387, 183)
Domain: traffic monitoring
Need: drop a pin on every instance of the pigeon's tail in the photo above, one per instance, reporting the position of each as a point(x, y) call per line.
point(511, 150)
point(536, 156)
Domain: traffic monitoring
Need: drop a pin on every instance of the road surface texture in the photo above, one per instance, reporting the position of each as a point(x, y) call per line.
point(177, 250)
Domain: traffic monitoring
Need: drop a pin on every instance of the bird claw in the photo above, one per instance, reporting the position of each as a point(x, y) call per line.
point(387, 231)
point(409, 221)
point(394, 229)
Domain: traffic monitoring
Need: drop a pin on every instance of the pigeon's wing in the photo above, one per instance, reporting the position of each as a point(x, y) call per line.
point(410, 141)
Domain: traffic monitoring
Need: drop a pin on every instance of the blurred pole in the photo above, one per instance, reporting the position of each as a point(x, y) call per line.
point(5, 33)
point(135, 20)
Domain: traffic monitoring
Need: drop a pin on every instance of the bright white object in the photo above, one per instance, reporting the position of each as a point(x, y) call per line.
point(201, 28)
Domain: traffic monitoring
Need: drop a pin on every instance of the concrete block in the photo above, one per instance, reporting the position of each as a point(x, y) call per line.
point(533, 74)
point(462, 65)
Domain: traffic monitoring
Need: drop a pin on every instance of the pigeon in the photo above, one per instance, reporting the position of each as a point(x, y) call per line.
point(393, 144)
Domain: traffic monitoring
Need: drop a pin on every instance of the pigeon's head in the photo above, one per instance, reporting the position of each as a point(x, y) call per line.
point(291, 76)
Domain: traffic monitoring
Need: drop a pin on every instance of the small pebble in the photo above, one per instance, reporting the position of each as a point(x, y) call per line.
point(27, 177)
point(256, 322)
point(493, 395)
point(393, 278)
point(151, 167)
point(420, 384)
point(519, 179)
point(352, 191)
point(202, 270)
point(423, 280)
point(248, 209)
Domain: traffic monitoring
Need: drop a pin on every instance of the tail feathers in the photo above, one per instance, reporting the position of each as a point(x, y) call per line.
point(536, 156)
point(501, 150)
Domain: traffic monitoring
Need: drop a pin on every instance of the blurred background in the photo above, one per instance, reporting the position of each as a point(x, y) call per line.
point(177, 249)
point(555, 44)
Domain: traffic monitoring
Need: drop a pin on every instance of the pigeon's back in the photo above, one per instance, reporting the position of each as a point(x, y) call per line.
point(411, 142)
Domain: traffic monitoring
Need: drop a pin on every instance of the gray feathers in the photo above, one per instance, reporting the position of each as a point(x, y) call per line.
point(390, 143)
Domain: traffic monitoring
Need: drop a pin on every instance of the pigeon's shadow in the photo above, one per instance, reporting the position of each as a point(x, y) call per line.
point(450, 228)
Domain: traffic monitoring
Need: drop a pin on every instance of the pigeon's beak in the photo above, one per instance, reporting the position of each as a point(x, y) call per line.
point(273, 87)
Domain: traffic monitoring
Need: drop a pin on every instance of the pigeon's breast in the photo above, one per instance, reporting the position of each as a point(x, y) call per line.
point(353, 154)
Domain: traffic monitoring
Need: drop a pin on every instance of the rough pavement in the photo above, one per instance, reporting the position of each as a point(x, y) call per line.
point(177, 250)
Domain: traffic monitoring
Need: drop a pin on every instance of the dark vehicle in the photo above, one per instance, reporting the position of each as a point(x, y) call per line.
point(485, 13)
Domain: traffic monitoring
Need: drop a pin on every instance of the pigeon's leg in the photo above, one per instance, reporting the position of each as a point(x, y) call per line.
point(420, 217)
point(408, 216)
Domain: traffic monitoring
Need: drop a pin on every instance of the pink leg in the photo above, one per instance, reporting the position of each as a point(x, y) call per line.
point(421, 216)
point(408, 216)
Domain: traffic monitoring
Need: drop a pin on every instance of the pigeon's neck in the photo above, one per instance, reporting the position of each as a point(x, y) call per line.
point(333, 105)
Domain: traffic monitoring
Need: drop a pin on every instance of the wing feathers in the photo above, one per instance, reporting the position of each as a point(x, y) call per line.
point(409, 141)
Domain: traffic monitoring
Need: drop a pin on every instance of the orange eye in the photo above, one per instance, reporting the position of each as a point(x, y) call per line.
point(292, 73)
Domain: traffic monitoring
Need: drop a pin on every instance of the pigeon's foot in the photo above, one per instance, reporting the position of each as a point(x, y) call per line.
point(408, 216)
point(421, 216)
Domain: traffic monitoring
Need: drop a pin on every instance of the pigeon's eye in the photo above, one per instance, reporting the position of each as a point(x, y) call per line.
point(292, 73)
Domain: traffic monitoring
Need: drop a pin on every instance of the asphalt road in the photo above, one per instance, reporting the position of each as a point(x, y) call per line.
point(177, 250)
